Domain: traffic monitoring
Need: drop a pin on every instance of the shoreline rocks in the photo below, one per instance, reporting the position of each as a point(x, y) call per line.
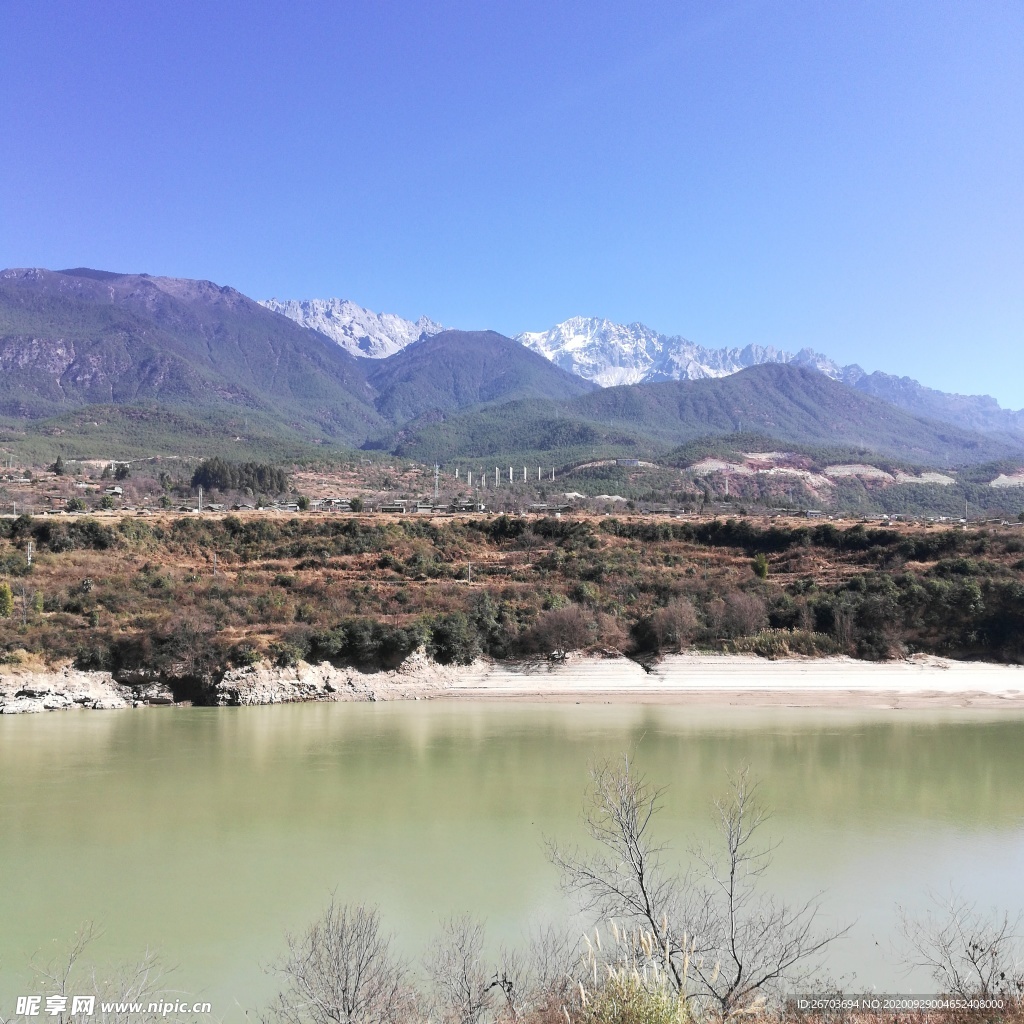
point(66, 689)
point(59, 690)
point(810, 682)
point(417, 677)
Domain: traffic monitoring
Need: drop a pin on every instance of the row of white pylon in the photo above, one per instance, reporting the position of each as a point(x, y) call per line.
point(485, 476)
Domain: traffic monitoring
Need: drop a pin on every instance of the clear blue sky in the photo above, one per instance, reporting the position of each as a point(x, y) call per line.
point(843, 175)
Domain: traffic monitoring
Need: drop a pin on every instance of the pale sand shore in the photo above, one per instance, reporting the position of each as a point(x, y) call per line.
point(696, 679)
point(746, 680)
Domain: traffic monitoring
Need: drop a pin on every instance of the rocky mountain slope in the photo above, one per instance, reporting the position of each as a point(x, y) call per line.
point(167, 360)
point(975, 412)
point(85, 337)
point(359, 331)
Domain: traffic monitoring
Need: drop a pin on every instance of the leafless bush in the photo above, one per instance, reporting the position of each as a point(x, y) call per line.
point(716, 936)
point(561, 630)
point(715, 612)
point(521, 982)
point(464, 988)
point(113, 988)
point(969, 954)
point(844, 628)
point(744, 614)
point(675, 625)
point(805, 615)
point(610, 633)
point(343, 970)
point(535, 982)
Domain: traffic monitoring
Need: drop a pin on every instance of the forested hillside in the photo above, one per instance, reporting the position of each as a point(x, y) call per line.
point(185, 598)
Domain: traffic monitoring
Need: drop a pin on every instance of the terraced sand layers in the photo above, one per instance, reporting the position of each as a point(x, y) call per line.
point(749, 680)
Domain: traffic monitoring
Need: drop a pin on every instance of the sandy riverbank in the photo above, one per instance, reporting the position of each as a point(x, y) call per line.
point(746, 680)
point(697, 679)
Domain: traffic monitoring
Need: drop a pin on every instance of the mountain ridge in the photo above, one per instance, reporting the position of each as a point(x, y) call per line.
point(83, 337)
point(454, 370)
point(611, 354)
point(78, 338)
point(793, 404)
point(360, 331)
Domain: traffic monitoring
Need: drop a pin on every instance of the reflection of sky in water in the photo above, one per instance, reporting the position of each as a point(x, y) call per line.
point(206, 832)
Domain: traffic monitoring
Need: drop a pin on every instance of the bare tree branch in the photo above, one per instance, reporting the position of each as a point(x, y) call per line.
point(536, 981)
point(749, 940)
point(969, 954)
point(625, 879)
point(718, 936)
point(114, 988)
point(342, 970)
point(463, 985)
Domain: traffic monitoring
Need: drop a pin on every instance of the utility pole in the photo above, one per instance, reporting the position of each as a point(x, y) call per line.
point(28, 554)
point(469, 565)
point(437, 470)
point(200, 499)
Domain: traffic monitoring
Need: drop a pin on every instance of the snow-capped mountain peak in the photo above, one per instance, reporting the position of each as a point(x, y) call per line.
point(610, 354)
point(359, 331)
point(599, 350)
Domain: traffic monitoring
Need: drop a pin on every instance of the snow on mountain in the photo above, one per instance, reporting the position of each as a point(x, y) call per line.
point(360, 331)
point(609, 354)
point(598, 350)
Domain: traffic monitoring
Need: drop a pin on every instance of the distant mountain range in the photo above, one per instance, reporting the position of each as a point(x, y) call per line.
point(611, 354)
point(91, 359)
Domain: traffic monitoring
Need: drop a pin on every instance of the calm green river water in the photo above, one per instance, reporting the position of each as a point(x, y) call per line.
point(207, 832)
